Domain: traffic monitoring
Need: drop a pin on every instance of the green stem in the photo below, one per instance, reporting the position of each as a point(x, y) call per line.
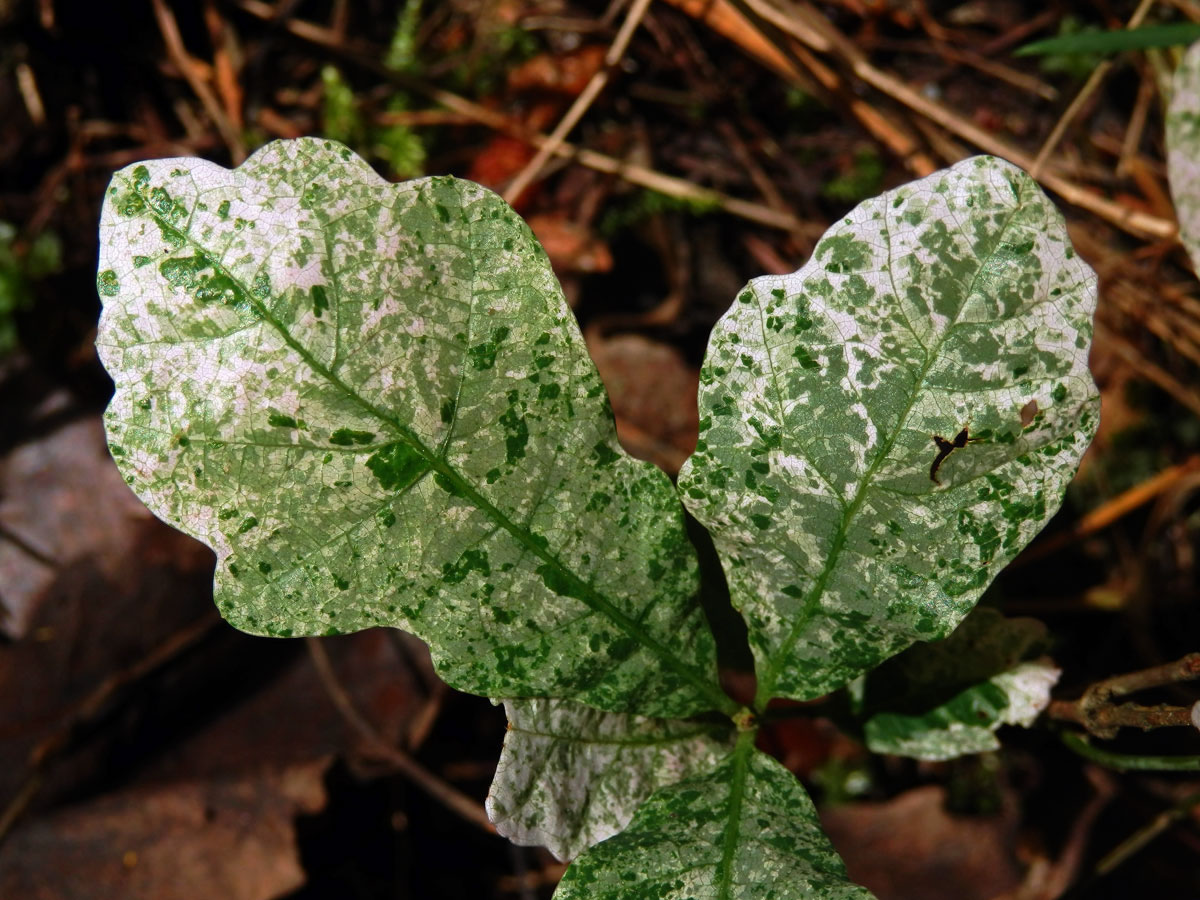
point(1128, 761)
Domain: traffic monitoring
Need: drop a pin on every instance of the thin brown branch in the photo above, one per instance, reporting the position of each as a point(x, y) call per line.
point(726, 20)
point(224, 71)
point(1147, 833)
point(1185, 669)
point(899, 142)
point(90, 708)
point(1136, 126)
point(1180, 332)
point(633, 173)
point(585, 99)
point(746, 160)
point(803, 69)
point(1026, 84)
point(187, 67)
point(422, 722)
point(1049, 880)
point(808, 21)
point(1097, 712)
point(1114, 509)
point(417, 118)
point(1085, 93)
point(1020, 33)
point(375, 746)
point(1104, 721)
point(1135, 497)
point(27, 85)
point(1152, 372)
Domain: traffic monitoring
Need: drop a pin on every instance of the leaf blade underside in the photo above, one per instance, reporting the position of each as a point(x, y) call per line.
point(951, 307)
point(372, 401)
point(570, 776)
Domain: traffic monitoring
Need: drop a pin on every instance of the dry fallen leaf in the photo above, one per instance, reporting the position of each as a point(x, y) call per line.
point(911, 848)
point(653, 393)
point(232, 838)
point(571, 246)
point(566, 73)
point(61, 500)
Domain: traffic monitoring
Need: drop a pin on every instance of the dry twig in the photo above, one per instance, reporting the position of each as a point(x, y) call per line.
point(1085, 93)
point(642, 176)
point(1134, 130)
point(1114, 509)
point(1047, 879)
point(90, 709)
point(1097, 712)
point(1144, 835)
point(1152, 372)
point(224, 70)
point(375, 746)
point(808, 26)
point(585, 99)
point(187, 67)
point(723, 17)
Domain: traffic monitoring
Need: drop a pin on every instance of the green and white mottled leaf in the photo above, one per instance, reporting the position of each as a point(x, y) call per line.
point(967, 723)
point(373, 402)
point(744, 831)
point(953, 302)
point(929, 674)
point(570, 776)
point(1183, 150)
point(946, 698)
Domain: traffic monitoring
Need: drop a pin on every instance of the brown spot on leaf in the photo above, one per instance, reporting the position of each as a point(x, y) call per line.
point(1028, 413)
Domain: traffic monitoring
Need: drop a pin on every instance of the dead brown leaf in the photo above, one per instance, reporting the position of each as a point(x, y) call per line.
point(911, 848)
point(571, 246)
point(653, 392)
point(62, 500)
point(292, 720)
point(230, 838)
point(566, 73)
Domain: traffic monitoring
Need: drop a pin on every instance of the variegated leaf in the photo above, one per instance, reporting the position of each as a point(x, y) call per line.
point(570, 776)
point(928, 674)
point(952, 307)
point(967, 723)
point(746, 830)
point(1183, 150)
point(373, 402)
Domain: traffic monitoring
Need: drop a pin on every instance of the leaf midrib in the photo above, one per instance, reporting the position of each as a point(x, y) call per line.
point(730, 839)
point(766, 683)
point(582, 590)
point(648, 741)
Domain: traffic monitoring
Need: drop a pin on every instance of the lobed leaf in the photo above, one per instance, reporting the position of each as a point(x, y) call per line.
point(373, 402)
point(1183, 149)
point(953, 306)
point(570, 776)
point(746, 830)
